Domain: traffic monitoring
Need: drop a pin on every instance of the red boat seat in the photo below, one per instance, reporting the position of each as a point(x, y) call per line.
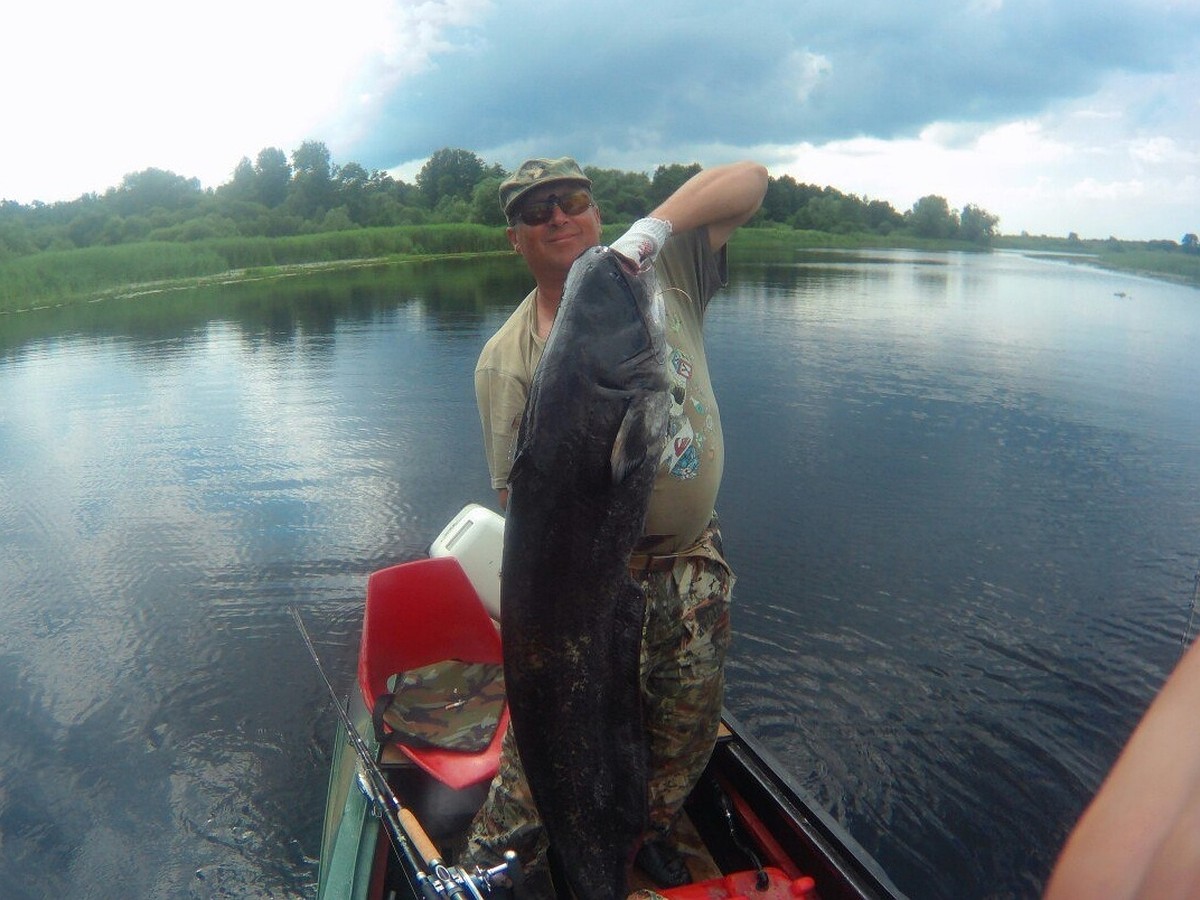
point(419, 613)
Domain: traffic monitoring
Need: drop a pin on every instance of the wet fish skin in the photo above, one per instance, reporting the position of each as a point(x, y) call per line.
point(587, 452)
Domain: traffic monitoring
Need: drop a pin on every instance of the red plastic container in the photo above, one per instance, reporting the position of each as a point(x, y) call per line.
point(743, 886)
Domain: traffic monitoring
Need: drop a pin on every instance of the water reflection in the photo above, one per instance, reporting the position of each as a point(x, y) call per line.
point(177, 469)
point(961, 495)
point(280, 308)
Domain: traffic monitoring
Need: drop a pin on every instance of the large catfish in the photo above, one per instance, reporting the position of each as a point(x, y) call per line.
point(590, 441)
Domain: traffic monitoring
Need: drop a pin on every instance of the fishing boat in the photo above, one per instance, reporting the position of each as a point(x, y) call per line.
point(399, 799)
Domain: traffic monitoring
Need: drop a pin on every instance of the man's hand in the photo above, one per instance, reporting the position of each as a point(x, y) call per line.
point(641, 243)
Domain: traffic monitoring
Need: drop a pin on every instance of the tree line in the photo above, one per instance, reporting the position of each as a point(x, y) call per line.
point(276, 195)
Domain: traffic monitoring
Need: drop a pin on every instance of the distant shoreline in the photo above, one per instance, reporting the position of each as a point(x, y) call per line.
point(72, 277)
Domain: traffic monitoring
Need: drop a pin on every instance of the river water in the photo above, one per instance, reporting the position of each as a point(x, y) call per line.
point(961, 494)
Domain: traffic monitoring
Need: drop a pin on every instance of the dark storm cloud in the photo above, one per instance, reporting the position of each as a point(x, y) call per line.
point(628, 77)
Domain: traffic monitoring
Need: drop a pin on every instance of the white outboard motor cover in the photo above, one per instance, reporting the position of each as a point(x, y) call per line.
point(475, 537)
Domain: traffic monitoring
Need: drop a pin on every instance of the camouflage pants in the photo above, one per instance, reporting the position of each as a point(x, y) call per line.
point(685, 636)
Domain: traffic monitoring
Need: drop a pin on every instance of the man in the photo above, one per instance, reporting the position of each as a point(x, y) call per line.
point(552, 219)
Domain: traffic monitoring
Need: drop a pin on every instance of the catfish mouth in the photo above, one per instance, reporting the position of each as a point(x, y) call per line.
point(628, 266)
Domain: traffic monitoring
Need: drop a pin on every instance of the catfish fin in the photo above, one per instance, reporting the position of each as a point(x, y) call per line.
point(629, 446)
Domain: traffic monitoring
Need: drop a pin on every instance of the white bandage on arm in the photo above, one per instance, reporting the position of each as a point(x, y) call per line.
point(641, 243)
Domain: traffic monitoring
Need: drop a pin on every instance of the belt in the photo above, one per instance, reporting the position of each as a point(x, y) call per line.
point(646, 562)
point(641, 563)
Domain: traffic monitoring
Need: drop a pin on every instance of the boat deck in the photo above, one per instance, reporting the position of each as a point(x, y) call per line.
point(445, 814)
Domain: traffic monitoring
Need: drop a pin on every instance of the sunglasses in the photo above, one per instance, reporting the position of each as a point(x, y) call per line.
point(541, 211)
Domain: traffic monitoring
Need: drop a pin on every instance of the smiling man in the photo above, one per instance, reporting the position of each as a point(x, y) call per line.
point(679, 561)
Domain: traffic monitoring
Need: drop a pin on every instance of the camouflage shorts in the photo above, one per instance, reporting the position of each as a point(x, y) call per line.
point(685, 636)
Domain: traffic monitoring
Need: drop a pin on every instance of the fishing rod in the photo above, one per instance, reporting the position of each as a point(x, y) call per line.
point(412, 845)
point(1187, 629)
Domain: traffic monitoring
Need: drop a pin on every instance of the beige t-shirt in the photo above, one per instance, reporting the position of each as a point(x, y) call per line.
point(689, 273)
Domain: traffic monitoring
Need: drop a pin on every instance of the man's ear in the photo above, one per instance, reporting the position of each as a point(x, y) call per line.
point(511, 233)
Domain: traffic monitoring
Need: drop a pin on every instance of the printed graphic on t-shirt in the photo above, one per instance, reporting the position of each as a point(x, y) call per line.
point(683, 451)
point(683, 461)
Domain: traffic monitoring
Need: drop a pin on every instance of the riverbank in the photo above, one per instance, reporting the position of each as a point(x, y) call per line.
point(133, 290)
point(1147, 259)
point(1177, 267)
point(68, 277)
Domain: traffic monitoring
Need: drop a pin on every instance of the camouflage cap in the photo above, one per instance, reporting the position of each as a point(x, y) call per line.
point(535, 172)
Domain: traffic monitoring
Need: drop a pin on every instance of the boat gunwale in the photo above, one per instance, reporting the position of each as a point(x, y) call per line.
point(827, 839)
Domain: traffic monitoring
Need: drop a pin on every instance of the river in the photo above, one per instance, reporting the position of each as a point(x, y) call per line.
point(961, 495)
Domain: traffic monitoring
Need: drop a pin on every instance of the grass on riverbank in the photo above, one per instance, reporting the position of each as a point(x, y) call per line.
point(780, 240)
point(1156, 262)
point(65, 277)
point(1175, 266)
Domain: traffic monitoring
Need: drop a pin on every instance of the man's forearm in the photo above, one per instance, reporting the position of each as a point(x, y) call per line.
point(722, 198)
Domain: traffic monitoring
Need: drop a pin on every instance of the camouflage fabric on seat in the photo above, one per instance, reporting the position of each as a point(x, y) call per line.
point(451, 705)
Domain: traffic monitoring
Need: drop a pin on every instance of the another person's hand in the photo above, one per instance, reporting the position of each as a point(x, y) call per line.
point(641, 243)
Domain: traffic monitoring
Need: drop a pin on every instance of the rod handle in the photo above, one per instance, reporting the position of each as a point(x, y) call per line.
point(425, 846)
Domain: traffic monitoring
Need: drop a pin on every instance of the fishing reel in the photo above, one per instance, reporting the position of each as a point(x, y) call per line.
point(497, 883)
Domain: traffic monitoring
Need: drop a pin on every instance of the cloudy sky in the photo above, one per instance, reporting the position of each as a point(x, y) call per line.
point(1055, 115)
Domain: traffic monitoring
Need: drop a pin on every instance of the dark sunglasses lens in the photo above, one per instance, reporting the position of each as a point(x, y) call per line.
point(575, 203)
point(540, 213)
point(537, 213)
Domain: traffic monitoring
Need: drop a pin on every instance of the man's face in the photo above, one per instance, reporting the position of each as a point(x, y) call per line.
point(550, 247)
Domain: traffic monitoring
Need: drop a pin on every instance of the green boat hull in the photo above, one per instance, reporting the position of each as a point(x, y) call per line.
point(350, 839)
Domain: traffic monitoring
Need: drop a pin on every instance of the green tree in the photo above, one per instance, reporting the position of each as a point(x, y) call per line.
point(667, 179)
point(977, 225)
point(449, 173)
point(87, 228)
point(782, 198)
point(388, 201)
point(452, 209)
point(337, 219)
point(150, 189)
point(485, 202)
point(786, 199)
point(15, 236)
point(881, 217)
point(351, 186)
point(311, 190)
point(931, 217)
point(244, 184)
point(274, 174)
point(1190, 242)
point(621, 196)
point(312, 159)
point(824, 213)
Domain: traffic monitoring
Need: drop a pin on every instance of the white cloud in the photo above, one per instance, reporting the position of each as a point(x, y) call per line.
point(1157, 151)
point(808, 70)
point(408, 39)
point(1091, 165)
point(1038, 126)
point(1091, 189)
point(1021, 143)
point(96, 91)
